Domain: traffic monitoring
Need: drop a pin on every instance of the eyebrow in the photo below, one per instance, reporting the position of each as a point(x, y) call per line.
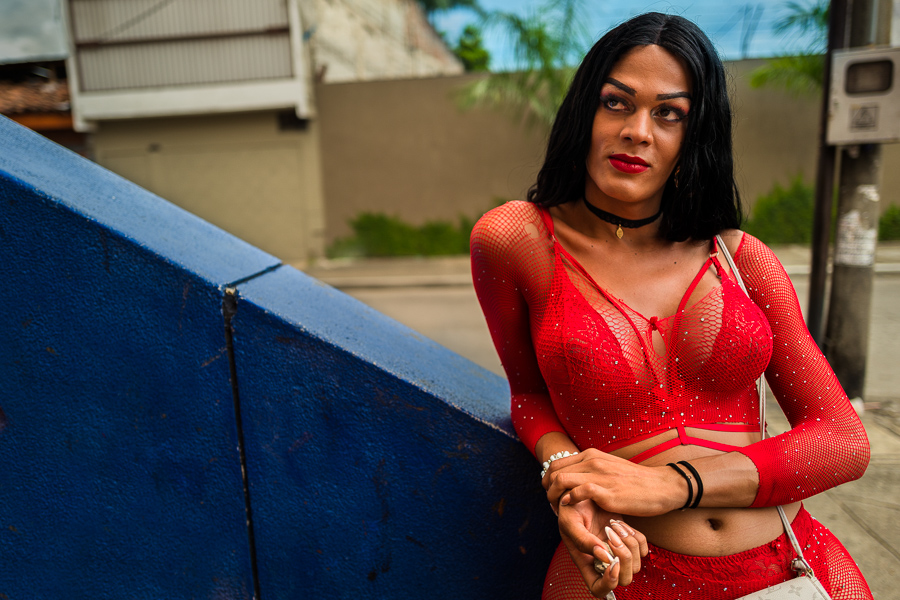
point(631, 91)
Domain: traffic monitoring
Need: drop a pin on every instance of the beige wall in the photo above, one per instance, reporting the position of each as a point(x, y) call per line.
point(776, 137)
point(238, 171)
point(402, 148)
point(775, 134)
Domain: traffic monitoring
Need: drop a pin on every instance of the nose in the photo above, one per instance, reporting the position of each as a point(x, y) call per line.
point(638, 127)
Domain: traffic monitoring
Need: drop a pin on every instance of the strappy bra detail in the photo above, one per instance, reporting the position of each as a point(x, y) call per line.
point(603, 363)
point(682, 439)
point(620, 304)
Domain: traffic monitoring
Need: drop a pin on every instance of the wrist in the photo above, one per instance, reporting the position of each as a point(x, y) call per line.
point(546, 464)
point(692, 481)
point(681, 492)
point(552, 443)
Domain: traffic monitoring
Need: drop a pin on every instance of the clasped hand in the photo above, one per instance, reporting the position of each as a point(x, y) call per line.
point(583, 527)
point(589, 492)
point(615, 484)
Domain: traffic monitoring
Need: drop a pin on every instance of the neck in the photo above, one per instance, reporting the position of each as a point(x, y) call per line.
point(621, 223)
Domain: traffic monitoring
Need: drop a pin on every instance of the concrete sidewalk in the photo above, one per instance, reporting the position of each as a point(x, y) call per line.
point(435, 297)
point(348, 274)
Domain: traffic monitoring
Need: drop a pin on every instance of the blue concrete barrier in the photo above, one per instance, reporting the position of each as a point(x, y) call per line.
point(182, 417)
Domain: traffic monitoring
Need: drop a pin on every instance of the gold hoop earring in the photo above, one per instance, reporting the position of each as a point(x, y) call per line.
point(675, 177)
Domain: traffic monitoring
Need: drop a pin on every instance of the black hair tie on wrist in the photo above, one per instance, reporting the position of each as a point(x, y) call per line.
point(688, 479)
point(696, 475)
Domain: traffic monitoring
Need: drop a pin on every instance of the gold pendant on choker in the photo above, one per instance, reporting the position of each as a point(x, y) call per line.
point(619, 222)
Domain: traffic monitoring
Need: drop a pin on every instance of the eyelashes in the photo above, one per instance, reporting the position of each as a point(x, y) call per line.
point(667, 112)
point(678, 114)
point(606, 100)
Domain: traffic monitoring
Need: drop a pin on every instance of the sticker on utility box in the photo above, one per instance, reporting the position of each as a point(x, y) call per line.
point(863, 117)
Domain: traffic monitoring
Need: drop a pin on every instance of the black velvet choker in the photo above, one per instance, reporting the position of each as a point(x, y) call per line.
point(615, 220)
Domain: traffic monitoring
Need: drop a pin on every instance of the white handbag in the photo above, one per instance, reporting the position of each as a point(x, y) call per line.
point(804, 586)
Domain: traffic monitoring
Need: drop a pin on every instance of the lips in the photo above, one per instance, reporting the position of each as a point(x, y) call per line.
point(628, 164)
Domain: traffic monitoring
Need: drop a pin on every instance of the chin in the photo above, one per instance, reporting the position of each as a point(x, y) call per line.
point(630, 194)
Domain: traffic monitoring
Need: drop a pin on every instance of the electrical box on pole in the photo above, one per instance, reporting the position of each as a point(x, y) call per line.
point(865, 97)
point(863, 113)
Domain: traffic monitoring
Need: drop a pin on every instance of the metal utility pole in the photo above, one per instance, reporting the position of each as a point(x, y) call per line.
point(821, 233)
point(847, 333)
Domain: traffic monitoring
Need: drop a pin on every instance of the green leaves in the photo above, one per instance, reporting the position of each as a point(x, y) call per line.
point(802, 74)
point(798, 75)
point(784, 215)
point(377, 234)
point(471, 51)
point(811, 18)
point(889, 224)
point(432, 5)
point(547, 44)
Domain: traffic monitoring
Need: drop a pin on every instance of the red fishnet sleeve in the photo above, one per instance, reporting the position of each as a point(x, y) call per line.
point(827, 445)
point(504, 264)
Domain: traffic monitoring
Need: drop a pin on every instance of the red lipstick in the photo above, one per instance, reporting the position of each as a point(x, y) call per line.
point(628, 164)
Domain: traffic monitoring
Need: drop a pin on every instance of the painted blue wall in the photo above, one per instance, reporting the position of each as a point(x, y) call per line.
point(148, 356)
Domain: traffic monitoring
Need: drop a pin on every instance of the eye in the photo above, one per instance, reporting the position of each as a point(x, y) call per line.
point(613, 103)
point(671, 114)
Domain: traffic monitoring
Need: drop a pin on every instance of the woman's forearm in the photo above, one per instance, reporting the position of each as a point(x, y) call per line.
point(617, 485)
point(729, 480)
point(552, 443)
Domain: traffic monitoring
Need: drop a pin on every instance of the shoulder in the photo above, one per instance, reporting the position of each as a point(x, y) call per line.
point(516, 211)
point(734, 239)
point(743, 246)
point(747, 248)
point(751, 255)
point(508, 223)
point(760, 268)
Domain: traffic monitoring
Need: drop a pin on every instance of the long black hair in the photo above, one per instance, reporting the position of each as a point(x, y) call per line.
point(706, 201)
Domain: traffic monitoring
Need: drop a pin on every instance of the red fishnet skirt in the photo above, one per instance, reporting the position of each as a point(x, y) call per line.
point(665, 575)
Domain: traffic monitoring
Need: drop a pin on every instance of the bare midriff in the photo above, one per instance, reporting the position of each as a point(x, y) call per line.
point(705, 531)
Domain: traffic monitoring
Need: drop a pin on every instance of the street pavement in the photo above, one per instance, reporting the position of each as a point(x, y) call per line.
point(434, 296)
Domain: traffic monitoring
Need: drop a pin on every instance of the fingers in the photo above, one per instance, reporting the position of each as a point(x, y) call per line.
point(582, 526)
point(625, 556)
point(598, 585)
point(610, 579)
point(635, 540)
point(558, 464)
point(589, 466)
point(583, 490)
point(577, 527)
point(563, 482)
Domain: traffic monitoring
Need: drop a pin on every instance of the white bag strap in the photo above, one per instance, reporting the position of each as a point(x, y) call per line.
point(760, 383)
point(800, 565)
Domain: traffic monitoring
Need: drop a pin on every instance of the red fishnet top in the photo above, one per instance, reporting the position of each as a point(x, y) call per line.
point(581, 362)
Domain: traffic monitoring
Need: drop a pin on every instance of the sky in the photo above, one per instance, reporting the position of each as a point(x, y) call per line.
point(32, 29)
point(722, 21)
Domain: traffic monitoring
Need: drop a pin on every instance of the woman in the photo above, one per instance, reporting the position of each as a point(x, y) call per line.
point(625, 337)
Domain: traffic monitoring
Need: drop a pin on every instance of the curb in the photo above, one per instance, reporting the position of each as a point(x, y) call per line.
point(348, 282)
